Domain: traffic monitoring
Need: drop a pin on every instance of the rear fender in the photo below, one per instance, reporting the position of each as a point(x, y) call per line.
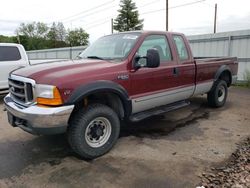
point(222, 69)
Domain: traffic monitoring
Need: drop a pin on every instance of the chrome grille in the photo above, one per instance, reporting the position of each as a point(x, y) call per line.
point(21, 90)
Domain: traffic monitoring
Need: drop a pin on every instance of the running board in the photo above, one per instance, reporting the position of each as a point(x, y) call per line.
point(158, 110)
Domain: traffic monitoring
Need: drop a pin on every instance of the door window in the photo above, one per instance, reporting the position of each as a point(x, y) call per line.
point(181, 47)
point(9, 53)
point(158, 42)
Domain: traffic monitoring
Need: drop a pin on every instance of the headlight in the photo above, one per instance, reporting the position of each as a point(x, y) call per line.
point(47, 95)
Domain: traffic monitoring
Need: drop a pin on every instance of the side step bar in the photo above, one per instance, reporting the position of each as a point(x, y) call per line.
point(158, 110)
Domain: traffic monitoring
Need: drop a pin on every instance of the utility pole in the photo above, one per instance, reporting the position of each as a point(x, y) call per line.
point(166, 15)
point(112, 25)
point(18, 38)
point(215, 17)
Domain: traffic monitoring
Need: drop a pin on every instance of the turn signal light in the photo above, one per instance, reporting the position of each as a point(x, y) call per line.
point(55, 101)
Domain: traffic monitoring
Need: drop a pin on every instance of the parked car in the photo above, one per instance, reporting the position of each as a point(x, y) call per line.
point(127, 76)
point(13, 56)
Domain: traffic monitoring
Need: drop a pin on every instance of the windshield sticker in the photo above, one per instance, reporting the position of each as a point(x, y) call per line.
point(133, 37)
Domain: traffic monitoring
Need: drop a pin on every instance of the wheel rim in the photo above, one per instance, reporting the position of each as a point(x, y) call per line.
point(98, 132)
point(221, 93)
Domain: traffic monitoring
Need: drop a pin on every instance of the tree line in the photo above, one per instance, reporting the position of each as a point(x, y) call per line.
point(38, 35)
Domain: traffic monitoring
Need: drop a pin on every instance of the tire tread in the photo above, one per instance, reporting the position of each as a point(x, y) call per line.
point(82, 117)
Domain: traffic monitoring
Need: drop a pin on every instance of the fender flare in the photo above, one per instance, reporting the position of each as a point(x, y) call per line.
point(222, 69)
point(101, 86)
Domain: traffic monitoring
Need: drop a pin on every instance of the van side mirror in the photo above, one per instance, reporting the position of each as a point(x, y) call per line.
point(152, 59)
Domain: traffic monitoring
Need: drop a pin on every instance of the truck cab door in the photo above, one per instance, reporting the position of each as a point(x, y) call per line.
point(10, 59)
point(153, 87)
point(185, 68)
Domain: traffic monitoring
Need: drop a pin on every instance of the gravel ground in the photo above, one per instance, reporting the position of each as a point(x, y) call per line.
point(168, 151)
point(233, 174)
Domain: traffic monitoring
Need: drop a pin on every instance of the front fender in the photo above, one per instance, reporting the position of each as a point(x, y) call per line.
point(101, 86)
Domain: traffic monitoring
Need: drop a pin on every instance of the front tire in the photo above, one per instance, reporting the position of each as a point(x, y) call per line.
point(218, 94)
point(93, 131)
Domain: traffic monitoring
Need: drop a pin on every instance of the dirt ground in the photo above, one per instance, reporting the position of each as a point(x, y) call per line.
point(171, 150)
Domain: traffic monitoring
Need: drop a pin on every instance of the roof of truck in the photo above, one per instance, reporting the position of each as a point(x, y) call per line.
point(9, 44)
point(148, 32)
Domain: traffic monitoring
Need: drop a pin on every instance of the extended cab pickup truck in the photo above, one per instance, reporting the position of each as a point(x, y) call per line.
point(121, 77)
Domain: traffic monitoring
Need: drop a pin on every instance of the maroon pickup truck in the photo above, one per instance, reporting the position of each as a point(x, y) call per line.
point(127, 76)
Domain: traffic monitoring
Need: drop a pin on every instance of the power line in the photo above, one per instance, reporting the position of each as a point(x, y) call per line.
point(95, 25)
point(106, 19)
point(167, 15)
point(98, 20)
point(187, 4)
point(87, 15)
point(151, 2)
point(102, 10)
point(177, 6)
point(88, 10)
point(83, 14)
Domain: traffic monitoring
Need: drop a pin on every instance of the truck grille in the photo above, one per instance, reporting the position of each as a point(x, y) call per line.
point(21, 91)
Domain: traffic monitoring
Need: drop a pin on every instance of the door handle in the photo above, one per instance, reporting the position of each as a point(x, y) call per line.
point(175, 71)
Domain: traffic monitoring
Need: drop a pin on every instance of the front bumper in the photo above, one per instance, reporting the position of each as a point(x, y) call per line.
point(38, 120)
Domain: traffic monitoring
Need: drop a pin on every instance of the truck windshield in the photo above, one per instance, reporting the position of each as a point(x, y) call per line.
point(112, 47)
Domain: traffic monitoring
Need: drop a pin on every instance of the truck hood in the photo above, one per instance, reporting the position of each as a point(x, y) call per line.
point(48, 73)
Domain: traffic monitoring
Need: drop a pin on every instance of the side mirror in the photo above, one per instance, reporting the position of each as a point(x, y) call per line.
point(152, 59)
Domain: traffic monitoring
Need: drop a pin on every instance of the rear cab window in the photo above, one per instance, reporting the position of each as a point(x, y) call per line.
point(181, 47)
point(9, 53)
point(158, 42)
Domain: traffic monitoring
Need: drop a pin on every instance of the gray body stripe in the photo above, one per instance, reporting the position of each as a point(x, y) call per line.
point(203, 88)
point(151, 101)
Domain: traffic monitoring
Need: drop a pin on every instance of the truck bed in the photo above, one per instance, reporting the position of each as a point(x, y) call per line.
point(206, 67)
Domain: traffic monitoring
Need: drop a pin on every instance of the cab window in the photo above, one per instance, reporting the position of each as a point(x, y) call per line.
point(159, 42)
point(9, 53)
point(181, 47)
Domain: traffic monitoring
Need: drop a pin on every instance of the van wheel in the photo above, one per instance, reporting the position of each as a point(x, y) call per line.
point(218, 94)
point(93, 131)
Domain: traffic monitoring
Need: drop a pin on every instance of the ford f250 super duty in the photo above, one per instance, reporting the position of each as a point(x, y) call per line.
point(127, 76)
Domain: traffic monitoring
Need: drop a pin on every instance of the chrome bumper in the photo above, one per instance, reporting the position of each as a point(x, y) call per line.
point(38, 120)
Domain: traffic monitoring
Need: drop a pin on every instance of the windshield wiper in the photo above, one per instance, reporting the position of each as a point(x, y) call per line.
point(94, 57)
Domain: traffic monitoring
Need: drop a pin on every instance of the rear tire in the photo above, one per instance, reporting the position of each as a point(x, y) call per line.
point(218, 94)
point(93, 131)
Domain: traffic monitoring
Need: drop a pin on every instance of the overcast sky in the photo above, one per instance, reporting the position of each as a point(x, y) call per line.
point(95, 15)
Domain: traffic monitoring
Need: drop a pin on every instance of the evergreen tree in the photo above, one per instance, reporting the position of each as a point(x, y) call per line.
point(128, 17)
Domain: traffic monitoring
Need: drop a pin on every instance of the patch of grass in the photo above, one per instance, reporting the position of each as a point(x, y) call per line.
point(247, 77)
point(246, 82)
point(241, 84)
